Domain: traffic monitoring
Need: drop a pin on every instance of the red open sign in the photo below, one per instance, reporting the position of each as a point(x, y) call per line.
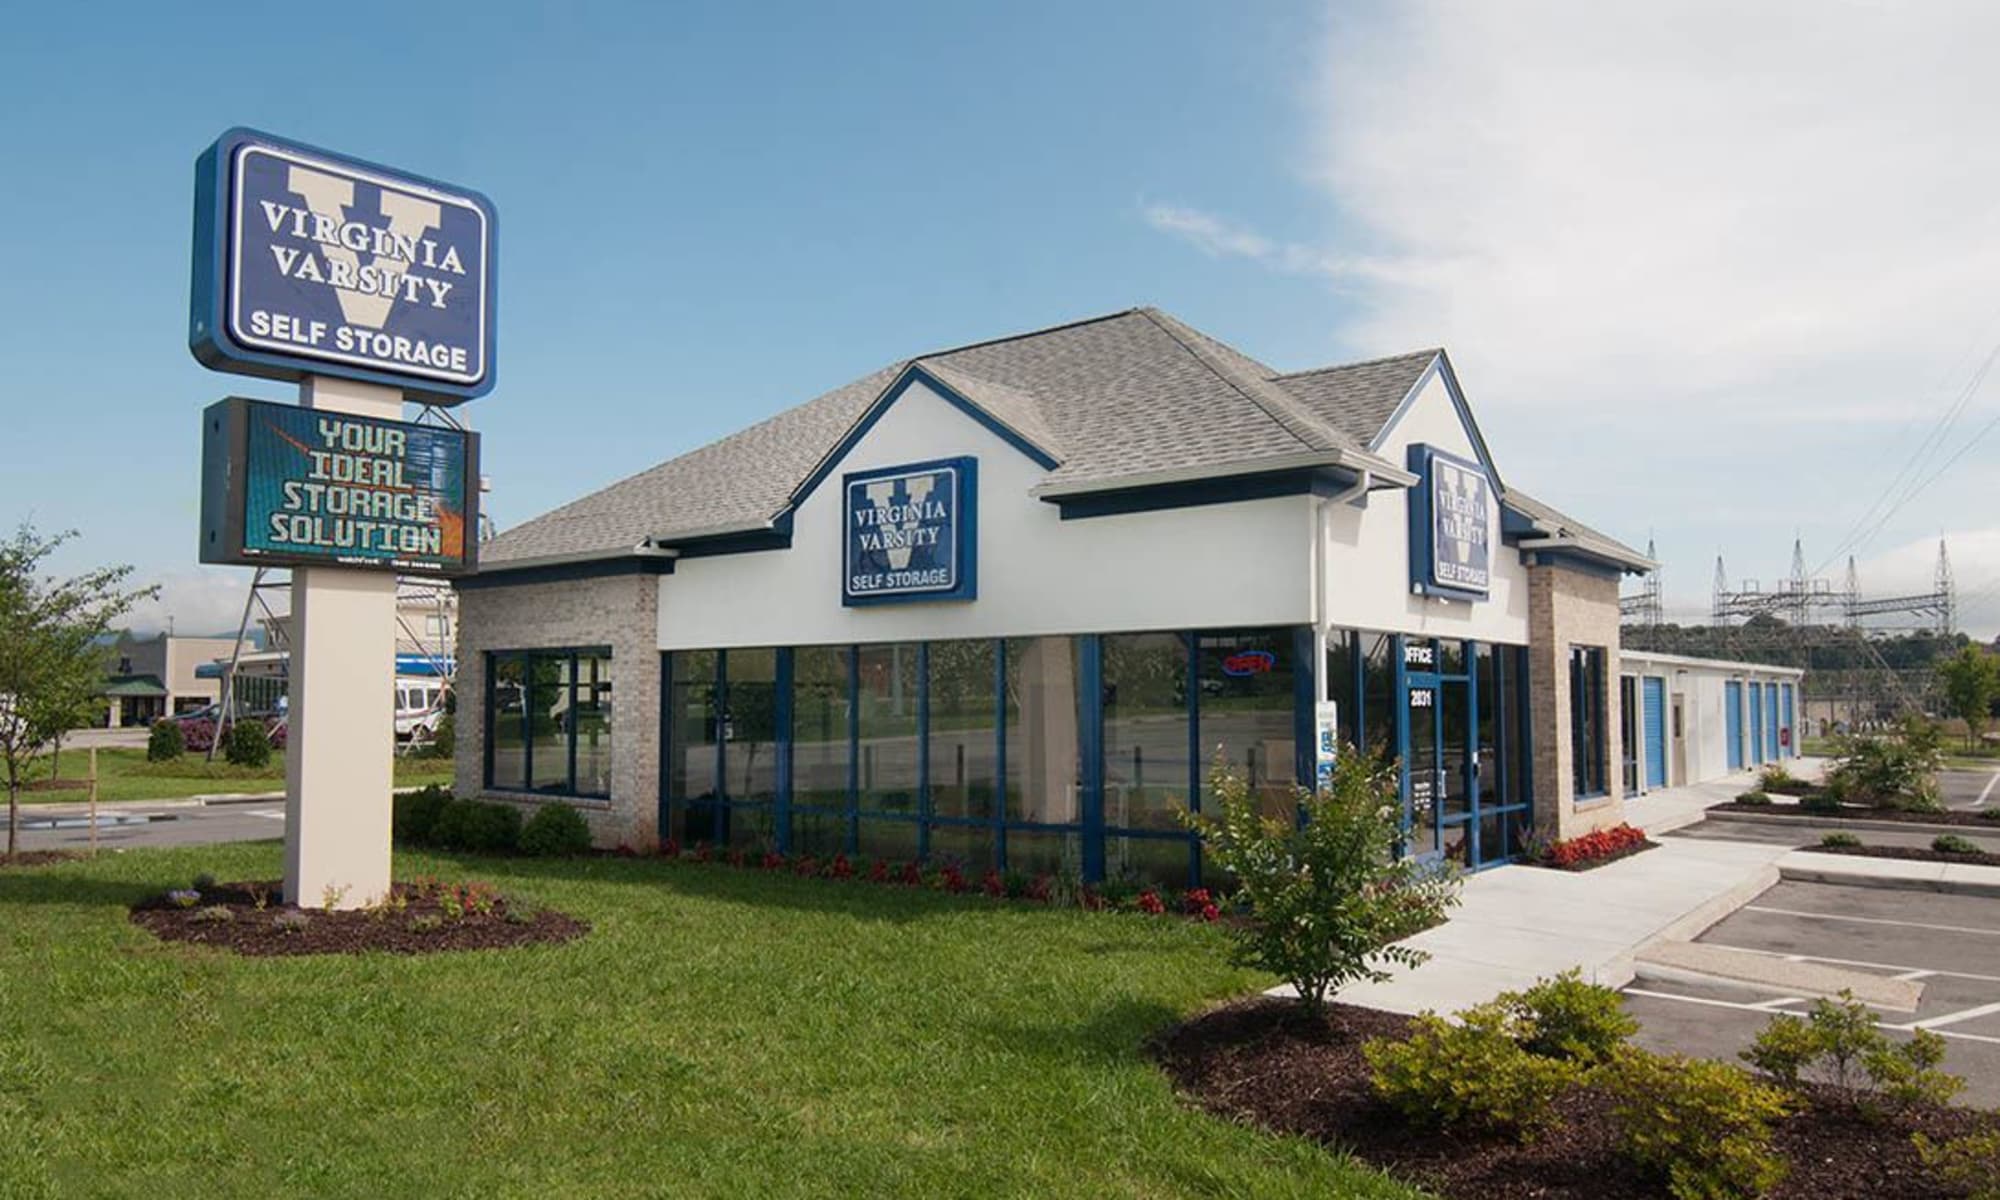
point(1250, 662)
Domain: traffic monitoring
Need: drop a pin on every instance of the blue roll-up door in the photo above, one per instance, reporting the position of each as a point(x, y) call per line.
point(1732, 723)
point(1756, 723)
point(1656, 732)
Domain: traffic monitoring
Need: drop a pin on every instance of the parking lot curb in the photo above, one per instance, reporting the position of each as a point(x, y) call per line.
point(1897, 874)
point(1765, 819)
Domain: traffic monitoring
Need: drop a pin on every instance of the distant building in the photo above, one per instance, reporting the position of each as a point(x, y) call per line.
point(160, 676)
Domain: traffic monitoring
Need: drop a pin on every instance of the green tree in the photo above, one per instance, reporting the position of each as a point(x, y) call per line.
point(1970, 680)
point(49, 650)
point(1329, 895)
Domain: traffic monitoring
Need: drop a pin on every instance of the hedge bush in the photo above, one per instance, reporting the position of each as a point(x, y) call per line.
point(1969, 1165)
point(1473, 1073)
point(1564, 1017)
point(1704, 1127)
point(416, 815)
point(248, 744)
point(165, 743)
point(478, 828)
point(555, 831)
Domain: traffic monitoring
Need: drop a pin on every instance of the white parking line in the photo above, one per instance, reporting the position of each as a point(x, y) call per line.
point(1906, 972)
point(1966, 1014)
point(1988, 791)
point(1793, 912)
point(1762, 1010)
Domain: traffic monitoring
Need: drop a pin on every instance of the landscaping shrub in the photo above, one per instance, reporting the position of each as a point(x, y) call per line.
point(1951, 843)
point(443, 743)
point(1968, 1165)
point(1838, 1039)
point(1473, 1073)
point(1759, 799)
point(1704, 1127)
point(1327, 897)
point(1783, 1050)
point(1839, 841)
point(248, 744)
point(1907, 1074)
point(1775, 778)
point(165, 743)
point(1828, 801)
point(1565, 1017)
point(1897, 771)
point(1592, 847)
point(477, 827)
point(415, 815)
point(555, 831)
point(1989, 814)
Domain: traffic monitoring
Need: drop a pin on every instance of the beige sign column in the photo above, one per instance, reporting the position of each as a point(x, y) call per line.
point(340, 756)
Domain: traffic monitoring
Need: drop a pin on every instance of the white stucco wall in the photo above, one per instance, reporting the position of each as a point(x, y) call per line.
point(1702, 683)
point(1367, 560)
point(1244, 563)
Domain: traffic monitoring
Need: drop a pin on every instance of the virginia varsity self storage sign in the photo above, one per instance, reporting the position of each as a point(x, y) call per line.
point(307, 262)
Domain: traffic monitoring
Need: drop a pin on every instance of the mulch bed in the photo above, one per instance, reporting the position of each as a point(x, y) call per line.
point(1913, 853)
point(1591, 864)
point(37, 858)
point(428, 923)
point(1265, 1063)
point(1856, 812)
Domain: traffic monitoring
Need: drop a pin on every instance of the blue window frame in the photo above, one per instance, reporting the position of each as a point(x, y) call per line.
point(548, 722)
point(1589, 747)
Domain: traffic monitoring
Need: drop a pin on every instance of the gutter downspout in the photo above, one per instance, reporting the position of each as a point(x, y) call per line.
point(1349, 495)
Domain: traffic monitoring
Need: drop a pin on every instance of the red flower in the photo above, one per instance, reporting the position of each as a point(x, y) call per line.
point(841, 868)
point(702, 852)
point(773, 861)
point(670, 849)
point(1042, 888)
point(1196, 899)
point(1150, 902)
point(913, 875)
point(878, 871)
point(1210, 913)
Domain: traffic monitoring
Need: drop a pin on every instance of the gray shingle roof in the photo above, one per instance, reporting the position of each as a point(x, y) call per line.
point(1131, 394)
point(1551, 522)
point(1359, 398)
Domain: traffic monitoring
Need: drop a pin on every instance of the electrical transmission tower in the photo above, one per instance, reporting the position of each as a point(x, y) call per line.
point(1645, 606)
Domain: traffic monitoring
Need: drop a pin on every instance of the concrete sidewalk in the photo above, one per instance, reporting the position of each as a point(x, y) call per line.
point(1517, 924)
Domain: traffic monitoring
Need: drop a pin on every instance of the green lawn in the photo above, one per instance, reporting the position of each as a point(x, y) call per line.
point(720, 1033)
point(126, 775)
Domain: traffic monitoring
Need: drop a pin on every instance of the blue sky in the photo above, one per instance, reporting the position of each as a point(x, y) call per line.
point(708, 213)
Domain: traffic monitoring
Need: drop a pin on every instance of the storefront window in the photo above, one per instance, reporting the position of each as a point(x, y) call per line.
point(1146, 763)
point(593, 724)
point(1378, 696)
point(1248, 711)
point(750, 726)
point(548, 714)
point(1586, 719)
point(548, 722)
point(1043, 716)
point(693, 730)
point(1513, 662)
point(888, 751)
point(964, 731)
point(507, 744)
point(1343, 682)
point(820, 690)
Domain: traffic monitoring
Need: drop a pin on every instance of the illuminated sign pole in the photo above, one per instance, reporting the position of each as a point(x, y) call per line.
point(368, 287)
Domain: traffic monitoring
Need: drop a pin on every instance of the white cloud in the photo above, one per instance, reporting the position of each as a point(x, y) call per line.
point(1709, 268)
point(201, 601)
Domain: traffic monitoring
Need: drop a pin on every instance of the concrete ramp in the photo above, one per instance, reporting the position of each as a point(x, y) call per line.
point(1697, 962)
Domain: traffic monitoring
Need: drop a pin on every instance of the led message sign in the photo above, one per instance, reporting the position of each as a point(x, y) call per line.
point(307, 262)
point(289, 486)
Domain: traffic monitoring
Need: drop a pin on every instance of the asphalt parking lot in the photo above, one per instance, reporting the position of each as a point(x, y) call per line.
point(1949, 943)
point(66, 827)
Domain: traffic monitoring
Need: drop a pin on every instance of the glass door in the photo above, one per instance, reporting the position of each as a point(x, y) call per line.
point(1446, 795)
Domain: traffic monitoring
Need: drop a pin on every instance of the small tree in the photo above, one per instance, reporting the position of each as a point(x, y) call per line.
point(1329, 895)
point(49, 631)
point(1971, 680)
